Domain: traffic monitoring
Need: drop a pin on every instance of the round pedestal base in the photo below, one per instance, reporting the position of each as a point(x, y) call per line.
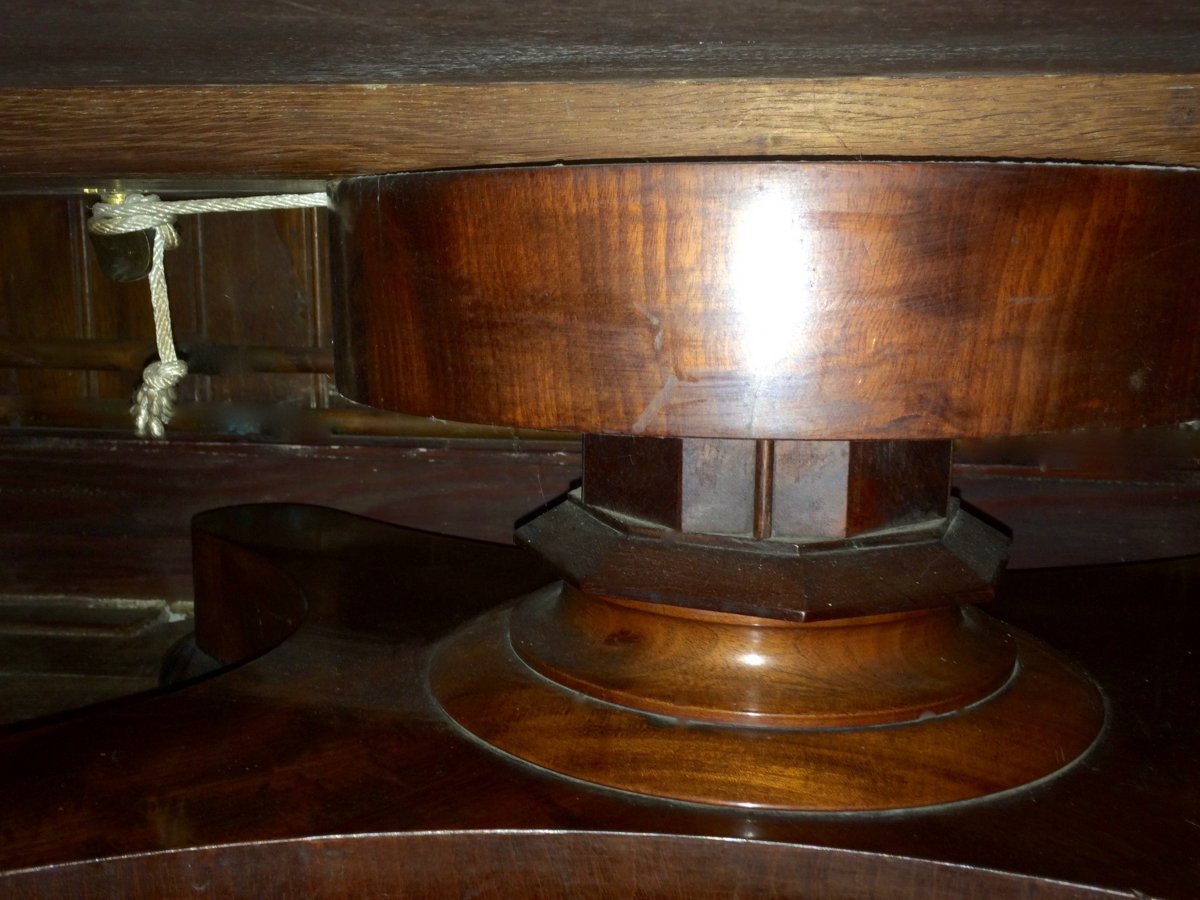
point(1017, 714)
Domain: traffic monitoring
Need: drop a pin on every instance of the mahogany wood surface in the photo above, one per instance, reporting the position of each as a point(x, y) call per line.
point(784, 668)
point(692, 665)
point(223, 42)
point(945, 561)
point(503, 864)
point(205, 139)
point(231, 92)
point(764, 489)
point(1115, 83)
point(958, 727)
point(333, 733)
point(774, 300)
point(98, 516)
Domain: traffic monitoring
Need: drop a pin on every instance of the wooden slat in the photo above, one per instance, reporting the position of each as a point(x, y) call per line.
point(215, 137)
point(131, 355)
point(255, 282)
point(287, 424)
point(69, 500)
point(255, 290)
point(35, 253)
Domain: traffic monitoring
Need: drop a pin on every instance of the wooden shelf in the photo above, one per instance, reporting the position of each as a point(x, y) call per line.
point(222, 94)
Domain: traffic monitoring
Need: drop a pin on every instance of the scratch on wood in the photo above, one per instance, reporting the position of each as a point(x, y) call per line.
point(655, 406)
point(655, 323)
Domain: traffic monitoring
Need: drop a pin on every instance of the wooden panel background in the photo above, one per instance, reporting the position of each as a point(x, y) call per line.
point(239, 280)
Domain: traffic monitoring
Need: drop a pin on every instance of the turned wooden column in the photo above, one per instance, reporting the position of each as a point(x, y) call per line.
point(773, 623)
point(768, 594)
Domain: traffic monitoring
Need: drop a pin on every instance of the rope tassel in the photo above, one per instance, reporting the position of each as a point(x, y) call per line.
point(154, 401)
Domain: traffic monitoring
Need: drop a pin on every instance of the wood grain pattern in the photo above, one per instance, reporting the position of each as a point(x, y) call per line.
point(693, 666)
point(28, 225)
point(780, 489)
point(208, 138)
point(226, 42)
point(1042, 720)
point(251, 314)
point(376, 88)
point(333, 734)
point(500, 865)
point(685, 666)
point(236, 279)
point(775, 300)
point(734, 670)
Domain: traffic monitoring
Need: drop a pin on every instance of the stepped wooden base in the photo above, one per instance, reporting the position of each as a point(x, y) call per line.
point(882, 712)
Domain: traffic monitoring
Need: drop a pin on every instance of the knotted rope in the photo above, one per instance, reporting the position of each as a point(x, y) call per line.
point(154, 402)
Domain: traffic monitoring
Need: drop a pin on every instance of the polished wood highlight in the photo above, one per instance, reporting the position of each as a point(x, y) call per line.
point(710, 320)
point(1041, 721)
point(324, 765)
point(779, 673)
point(469, 84)
point(503, 864)
point(774, 300)
point(695, 667)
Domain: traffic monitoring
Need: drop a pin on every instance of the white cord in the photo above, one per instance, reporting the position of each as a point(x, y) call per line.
point(154, 402)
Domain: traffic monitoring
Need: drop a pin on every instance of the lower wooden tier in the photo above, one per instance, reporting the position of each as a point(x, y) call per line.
point(324, 766)
point(1034, 720)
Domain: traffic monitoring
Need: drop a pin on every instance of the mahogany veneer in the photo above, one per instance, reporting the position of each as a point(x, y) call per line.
point(775, 300)
point(764, 582)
